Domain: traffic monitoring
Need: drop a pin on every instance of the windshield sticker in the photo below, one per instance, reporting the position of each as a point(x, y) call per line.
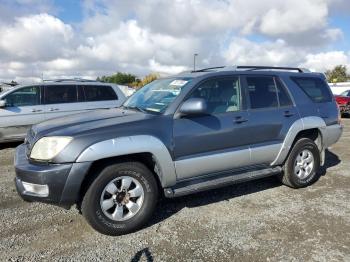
point(178, 82)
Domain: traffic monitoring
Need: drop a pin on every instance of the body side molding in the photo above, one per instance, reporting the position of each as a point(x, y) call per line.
point(299, 125)
point(133, 145)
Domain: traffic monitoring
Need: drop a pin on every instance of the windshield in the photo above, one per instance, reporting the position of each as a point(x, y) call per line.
point(157, 95)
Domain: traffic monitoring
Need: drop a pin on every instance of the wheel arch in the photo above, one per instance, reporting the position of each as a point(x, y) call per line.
point(307, 127)
point(97, 166)
point(144, 148)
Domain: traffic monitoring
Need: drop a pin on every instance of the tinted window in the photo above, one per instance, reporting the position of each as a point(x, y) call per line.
point(60, 94)
point(27, 96)
point(283, 96)
point(99, 93)
point(314, 87)
point(221, 95)
point(262, 92)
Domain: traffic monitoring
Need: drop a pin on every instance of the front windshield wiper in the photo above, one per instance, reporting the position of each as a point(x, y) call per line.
point(136, 108)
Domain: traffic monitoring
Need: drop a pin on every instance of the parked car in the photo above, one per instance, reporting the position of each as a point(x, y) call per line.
point(24, 106)
point(343, 101)
point(180, 135)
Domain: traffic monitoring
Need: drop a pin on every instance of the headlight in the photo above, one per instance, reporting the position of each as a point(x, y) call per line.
point(47, 148)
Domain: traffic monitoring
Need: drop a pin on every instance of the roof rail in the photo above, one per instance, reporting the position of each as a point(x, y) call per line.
point(69, 80)
point(252, 68)
point(207, 69)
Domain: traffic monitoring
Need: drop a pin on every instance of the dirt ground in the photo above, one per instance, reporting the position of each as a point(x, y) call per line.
point(256, 221)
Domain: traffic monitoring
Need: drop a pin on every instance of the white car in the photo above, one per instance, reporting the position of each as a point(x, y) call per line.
point(23, 106)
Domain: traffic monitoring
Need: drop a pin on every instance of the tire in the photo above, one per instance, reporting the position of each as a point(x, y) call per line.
point(119, 219)
point(298, 171)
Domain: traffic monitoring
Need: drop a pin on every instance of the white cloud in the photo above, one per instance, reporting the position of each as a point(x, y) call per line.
point(36, 37)
point(163, 36)
point(326, 60)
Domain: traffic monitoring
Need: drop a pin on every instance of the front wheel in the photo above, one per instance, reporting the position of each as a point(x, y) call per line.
point(121, 199)
point(302, 164)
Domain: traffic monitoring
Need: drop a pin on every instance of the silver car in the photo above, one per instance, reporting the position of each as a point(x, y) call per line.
point(24, 106)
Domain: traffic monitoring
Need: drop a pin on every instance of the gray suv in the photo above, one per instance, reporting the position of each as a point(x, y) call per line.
point(180, 135)
point(23, 106)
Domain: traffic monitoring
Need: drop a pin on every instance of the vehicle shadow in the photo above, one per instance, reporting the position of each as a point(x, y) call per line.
point(331, 160)
point(9, 145)
point(168, 207)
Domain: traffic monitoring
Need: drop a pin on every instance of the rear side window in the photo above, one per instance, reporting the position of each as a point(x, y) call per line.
point(315, 88)
point(99, 93)
point(262, 92)
point(60, 94)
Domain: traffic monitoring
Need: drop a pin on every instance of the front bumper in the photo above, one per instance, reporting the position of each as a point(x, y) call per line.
point(57, 184)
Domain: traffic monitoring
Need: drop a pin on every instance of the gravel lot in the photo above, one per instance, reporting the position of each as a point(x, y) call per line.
point(256, 221)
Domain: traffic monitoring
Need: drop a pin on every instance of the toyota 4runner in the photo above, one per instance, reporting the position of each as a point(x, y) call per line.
point(179, 135)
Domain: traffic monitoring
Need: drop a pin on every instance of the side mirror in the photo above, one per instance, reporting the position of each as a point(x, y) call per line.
point(2, 103)
point(194, 106)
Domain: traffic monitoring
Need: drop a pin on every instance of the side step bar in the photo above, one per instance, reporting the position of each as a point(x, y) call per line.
point(203, 184)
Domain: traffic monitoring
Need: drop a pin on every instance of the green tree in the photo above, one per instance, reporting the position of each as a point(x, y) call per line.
point(118, 78)
point(337, 74)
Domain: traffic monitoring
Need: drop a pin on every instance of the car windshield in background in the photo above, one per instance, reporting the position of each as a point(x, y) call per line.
point(157, 95)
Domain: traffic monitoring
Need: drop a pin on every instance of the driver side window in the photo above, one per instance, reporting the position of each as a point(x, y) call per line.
point(27, 96)
point(221, 94)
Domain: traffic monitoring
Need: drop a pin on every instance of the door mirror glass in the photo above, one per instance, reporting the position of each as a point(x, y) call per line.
point(2, 103)
point(194, 106)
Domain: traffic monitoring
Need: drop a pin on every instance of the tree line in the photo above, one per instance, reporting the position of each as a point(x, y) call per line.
point(129, 79)
point(338, 74)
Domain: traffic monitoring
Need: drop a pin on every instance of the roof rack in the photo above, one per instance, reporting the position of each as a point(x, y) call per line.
point(69, 80)
point(252, 68)
point(208, 69)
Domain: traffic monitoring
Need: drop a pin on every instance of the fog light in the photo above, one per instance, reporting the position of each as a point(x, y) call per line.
point(35, 189)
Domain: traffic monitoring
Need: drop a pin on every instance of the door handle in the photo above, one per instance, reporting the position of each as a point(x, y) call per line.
point(240, 120)
point(36, 110)
point(288, 113)
point(53, 109)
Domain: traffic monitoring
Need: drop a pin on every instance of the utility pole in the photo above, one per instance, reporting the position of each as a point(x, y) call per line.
point(194, 61)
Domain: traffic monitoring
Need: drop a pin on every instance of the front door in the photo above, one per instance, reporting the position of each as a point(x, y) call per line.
point(23, 109)
point(216, 141)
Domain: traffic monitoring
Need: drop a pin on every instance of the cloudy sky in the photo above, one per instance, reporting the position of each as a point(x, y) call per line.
point(64, 38)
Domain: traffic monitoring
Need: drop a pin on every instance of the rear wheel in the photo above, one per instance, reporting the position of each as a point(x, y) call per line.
point(302, 164)
point(121, 199)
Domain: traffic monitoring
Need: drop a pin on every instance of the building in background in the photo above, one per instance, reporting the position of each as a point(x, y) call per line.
point(338, 88)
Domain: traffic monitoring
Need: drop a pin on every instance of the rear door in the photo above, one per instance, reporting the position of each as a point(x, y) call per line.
point(23, 109)
point(271, 113)
point(61, 100)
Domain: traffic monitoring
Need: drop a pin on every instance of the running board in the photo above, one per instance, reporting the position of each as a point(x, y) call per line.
point(203, 184)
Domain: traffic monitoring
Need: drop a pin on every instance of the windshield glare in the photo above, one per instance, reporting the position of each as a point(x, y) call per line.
point(157, 95)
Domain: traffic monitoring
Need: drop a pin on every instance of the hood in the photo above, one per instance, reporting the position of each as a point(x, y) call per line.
point(84, 122)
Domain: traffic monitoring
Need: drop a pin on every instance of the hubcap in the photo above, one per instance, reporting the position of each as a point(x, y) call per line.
point(122, 198)
point(304, 164)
